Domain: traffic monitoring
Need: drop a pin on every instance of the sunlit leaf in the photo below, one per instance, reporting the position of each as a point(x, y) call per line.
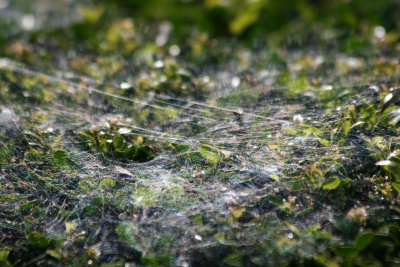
point(274, 177)
point(237, 212)
point(210, 156)
point(384, 163)
point(331, 184)
point(387, 98)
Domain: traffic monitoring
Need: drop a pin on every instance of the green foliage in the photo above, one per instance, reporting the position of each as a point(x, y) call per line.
point(146, 197)
point(367, 116)
point(107, 183)
point(296, 85)
point(3, 257)
point(117, 142)
point(5, 153)
point(179, 148)
point(211, 154)
point(312, 173)
point(62, 159)
point(125, 231)
point(387, 156)
point(38, 240)
point(316, 175)
point(238, 17)
point(156, 260)
point(363, 240)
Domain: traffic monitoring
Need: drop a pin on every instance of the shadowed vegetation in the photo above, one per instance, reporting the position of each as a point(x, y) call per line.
point(199, 133)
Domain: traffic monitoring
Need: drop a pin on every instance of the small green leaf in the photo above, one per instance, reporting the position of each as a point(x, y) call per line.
point(54, 254)
point(363, 240)
point(291, 131)
point(107, 183)
point(179, 148)
point(38, 240)
point(210, 156)
point(118, 142)
point(197, 218)
point(146, 197)
point(86, 185)
point(274, 177)
point(331, 184)
point(323, 141)
point(220, 237)
point(28, 205)
point(125, 232)
point(60, 157)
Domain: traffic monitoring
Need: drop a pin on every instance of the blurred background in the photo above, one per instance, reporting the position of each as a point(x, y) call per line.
point(249, 18)
point(245, 19)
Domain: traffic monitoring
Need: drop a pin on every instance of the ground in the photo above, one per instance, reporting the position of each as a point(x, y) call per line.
point(199, 133)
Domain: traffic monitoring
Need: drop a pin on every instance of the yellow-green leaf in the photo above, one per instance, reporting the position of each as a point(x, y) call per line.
point(210, 156)
point(331, 184)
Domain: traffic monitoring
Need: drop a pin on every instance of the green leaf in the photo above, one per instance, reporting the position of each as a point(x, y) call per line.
point(323, 141)
point(146, 197)
point(234, 259)
point(396, 186)
point(107, 183)
point(274, 200)
point(291, 131)
point(4, 255)
point(179, 148)
point(118, 142)
point(197, 218)
point(274, 177)
point(220, 237)
point(331, 184)
point(38, 240)
point(86, 185)
point(125, 232)
point(60, 157)
point(210, 156)
point(156, 260)
point(28, 205)
point(54, 254)
point(348, 252)
point(363, 240)
point(346, 127)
